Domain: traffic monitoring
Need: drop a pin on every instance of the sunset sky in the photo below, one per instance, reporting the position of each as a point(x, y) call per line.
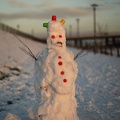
point(31, 14)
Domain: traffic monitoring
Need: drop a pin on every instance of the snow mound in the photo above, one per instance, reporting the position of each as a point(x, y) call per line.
point(12, 117)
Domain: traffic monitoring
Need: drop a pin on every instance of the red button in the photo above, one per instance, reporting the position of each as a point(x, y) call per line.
point(62, 72)
point(60, 63)
point(59, 57)
point(65, 80)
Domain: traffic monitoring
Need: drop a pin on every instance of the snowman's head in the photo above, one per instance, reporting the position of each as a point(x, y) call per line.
point(56, 34)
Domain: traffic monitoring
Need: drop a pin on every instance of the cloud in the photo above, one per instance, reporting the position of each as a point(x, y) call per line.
point(62, 12)
point(21, 4)
point(46, 9)
point(18, 3)
point(105, 3)
point(66, 12)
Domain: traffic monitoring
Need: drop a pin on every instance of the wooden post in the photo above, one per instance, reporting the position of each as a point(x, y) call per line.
point(6, 28)
point(106, 50)
point(113, 41)
point(0, 26)
point(101, 48)
point(80, 42)
point(106, 41)
point(75, 42)
point(86, 46)
point(3, 27)
point(94, 48)
point(118, 53)
point(111, 53)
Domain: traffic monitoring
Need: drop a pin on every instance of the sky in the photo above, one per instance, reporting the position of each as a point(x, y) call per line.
point(31, 14)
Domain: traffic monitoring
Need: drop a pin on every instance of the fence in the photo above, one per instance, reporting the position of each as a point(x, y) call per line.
point(109, 45)
point(9, 29)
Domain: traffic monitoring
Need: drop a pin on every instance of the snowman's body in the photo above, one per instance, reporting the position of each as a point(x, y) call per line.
point(59, 72)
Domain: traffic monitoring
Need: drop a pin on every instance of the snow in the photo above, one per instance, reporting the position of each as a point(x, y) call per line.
point(97, 85)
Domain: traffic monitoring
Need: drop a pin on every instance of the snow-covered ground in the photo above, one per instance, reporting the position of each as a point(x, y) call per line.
point(97, 85)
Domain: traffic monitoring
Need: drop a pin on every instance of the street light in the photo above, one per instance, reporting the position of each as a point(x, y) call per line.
point(77, 20)
point(0, 25)
point(32, 32)
point(70, 30)
point(94, 21)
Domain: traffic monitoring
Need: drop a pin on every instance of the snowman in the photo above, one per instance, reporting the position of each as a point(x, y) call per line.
point(56, 72)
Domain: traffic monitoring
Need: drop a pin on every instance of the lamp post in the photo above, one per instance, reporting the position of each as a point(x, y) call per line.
point(94, 20)
point(94, 25)
point(77, 20)
point(0, 25)
point(18, 27)
point(32, 32)
point(70, 30)
point(78, 35)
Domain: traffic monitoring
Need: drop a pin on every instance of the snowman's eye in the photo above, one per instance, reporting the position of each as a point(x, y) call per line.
point(60, 36)
point(53, 36)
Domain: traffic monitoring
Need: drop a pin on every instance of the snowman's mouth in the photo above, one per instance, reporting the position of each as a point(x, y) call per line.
point(59, 44)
